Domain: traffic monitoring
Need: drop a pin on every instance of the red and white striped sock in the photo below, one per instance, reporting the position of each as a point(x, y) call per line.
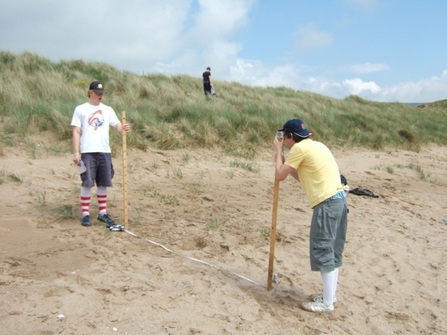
point(85, 200)
point(102, 200)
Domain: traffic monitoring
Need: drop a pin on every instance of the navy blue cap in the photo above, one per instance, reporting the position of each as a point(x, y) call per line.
point(297, 127)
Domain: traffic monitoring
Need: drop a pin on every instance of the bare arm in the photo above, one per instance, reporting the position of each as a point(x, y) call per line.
point(76, 138)
point(294, 174)
point(282, 170)
point(120, 127)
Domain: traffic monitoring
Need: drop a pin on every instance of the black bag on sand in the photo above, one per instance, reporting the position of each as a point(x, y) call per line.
point(363, 191)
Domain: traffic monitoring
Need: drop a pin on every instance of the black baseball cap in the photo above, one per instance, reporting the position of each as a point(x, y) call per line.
point(97, 87)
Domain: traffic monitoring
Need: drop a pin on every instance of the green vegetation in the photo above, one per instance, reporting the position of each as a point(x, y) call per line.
point(417, 168)
point(214, 224)
point(420, 171)
point(37, 97)
point(15, 177)
point(65, 211)
point(248, 166)
point(265, 232)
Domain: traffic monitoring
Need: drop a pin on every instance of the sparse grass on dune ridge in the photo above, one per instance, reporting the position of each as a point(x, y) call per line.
point(169, 112)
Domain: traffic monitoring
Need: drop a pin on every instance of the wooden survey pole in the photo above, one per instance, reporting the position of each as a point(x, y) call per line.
point(125, 200)
point(273, 234)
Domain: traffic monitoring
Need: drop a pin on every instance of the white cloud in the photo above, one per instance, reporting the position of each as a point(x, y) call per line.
point(255, 73)
point(309, 37)
point(206, 42)
point(128, 35)
point(367, 67)
point(330, 86)
point(426, 90)
point(222, 53)
point(357, 86)
point(283, 75)
point(219, 19)
point(219, 55)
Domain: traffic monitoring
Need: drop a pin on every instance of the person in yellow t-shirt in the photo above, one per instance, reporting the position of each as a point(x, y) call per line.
point(313, 165)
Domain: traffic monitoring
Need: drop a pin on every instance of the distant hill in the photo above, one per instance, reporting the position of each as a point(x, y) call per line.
point(437, 104)
point(415, 104)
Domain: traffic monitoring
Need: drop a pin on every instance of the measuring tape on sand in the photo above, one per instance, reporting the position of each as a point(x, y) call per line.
point(198, 260)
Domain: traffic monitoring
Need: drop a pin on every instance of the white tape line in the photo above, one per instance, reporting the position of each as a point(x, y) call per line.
point(130, 233)
point(248, 279)
point(197, 260)
point(206, 263)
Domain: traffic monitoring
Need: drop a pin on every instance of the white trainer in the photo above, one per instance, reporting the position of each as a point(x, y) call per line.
point(319, 298)
point(316, 307)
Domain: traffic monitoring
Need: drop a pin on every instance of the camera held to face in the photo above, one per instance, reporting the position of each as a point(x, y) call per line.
point(280, 134)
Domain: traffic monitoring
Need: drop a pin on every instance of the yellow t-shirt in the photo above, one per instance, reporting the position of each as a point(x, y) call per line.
point(317, 170)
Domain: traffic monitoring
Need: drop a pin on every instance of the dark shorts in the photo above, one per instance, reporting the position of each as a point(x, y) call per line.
point(207, 87)
point(99, 169)
point(328, 235)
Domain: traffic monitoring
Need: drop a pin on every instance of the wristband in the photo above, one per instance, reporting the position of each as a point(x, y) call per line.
point(77, 154)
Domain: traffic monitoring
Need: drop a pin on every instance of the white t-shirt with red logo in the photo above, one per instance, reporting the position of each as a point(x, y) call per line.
point(94, 122)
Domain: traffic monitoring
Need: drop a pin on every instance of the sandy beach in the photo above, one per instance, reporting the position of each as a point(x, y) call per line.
point(194, 259)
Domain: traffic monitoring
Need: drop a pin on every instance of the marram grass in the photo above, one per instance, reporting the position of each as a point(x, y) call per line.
point(171, 112)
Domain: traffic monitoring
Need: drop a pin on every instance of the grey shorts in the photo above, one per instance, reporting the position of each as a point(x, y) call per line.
point(328, 234)
point(99, 169)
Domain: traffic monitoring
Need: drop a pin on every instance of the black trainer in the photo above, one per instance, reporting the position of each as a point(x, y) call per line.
point(86, 221)
point(107, 219)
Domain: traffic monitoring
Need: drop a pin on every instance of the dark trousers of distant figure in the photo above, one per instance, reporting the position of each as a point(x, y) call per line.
point(206, 87)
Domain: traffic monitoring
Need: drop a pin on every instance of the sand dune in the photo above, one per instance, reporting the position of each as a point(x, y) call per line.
point(57, 277)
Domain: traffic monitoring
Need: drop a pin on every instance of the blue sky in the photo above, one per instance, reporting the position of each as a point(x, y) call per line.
point(382, 50)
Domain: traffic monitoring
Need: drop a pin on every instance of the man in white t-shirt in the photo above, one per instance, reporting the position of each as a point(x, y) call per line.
point(90, 123)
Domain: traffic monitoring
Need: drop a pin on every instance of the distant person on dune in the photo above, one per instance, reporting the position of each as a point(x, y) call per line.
point(208, 86)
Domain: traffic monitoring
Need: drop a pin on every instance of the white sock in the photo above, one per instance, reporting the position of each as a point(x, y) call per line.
point(335, 282)
point(328, 287)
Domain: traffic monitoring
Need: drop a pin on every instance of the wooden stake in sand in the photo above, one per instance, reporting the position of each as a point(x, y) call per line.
point(273, 234)
point(123, 133)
